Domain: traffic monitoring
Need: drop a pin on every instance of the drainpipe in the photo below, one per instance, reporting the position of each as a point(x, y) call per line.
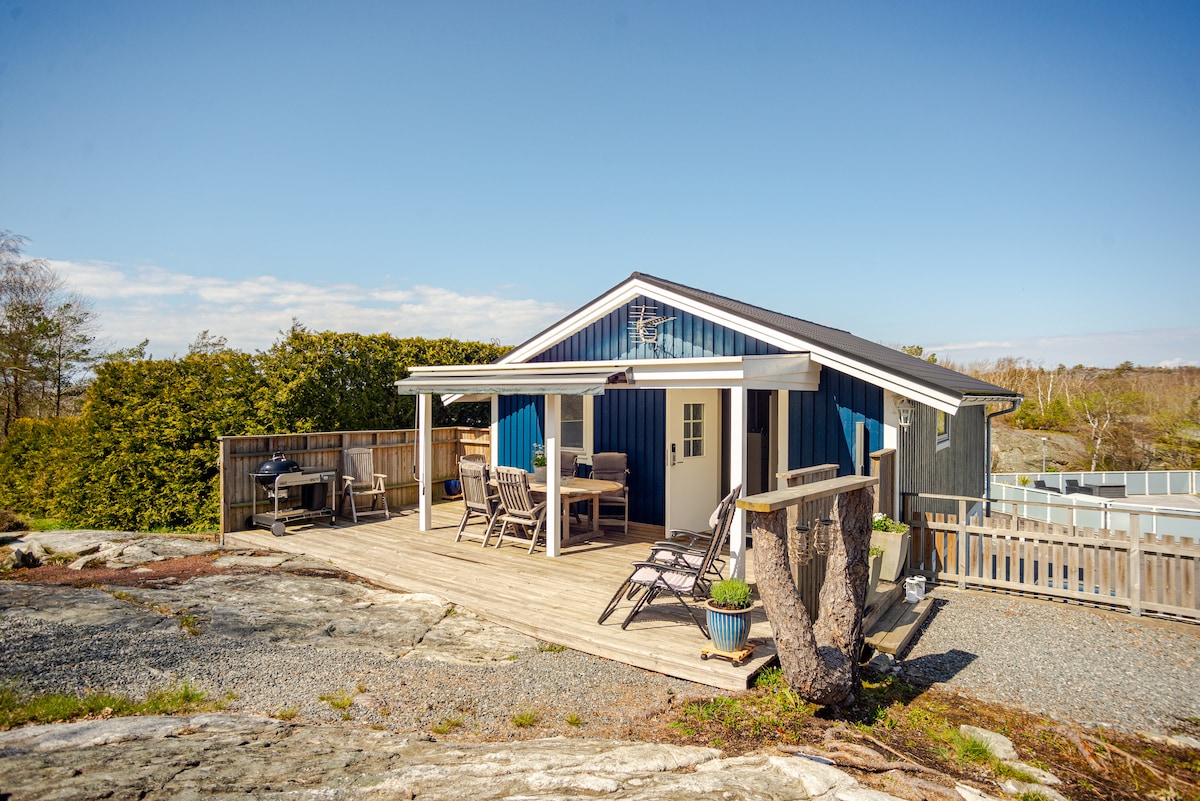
point(987, 469)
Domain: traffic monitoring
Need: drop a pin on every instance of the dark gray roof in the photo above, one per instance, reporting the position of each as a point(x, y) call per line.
point(890, 360)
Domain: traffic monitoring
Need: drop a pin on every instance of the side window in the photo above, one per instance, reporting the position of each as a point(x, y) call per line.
point(943, 430)
point(572, 422)
point(693, 429)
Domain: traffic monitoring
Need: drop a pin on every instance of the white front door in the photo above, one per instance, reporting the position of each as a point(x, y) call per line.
point(693, 457)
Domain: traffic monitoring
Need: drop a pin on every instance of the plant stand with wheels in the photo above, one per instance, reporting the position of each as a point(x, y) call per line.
point(738, 657)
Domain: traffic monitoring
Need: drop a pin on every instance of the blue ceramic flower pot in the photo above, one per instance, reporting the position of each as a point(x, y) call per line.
point(728, 628)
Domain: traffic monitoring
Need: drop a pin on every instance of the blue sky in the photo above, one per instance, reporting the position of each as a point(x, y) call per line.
point(982, 179)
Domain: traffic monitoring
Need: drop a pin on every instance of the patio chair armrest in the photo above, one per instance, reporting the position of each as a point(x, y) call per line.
point(675, 547)
point(692, 537)
point(667, 567)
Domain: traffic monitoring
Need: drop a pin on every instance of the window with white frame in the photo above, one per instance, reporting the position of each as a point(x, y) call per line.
point(572, 422)
point(693, 429)
point(943, 430)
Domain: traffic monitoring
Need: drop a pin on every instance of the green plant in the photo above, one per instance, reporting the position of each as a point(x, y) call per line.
point(287, 712)
point(539, 455)
point(190, 624)
point(448, 725)
point(574, 720)
point(552, 648)
point(525, 719)
point(881, 522)
point(730, 593)
point(19, 710)
point(339, 700)
point(874, 551)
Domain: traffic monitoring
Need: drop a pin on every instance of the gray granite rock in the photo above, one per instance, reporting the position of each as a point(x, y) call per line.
point(1001, 746)
point(225, 756)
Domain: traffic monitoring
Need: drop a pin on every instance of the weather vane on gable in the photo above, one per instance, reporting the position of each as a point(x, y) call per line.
point(643, 325)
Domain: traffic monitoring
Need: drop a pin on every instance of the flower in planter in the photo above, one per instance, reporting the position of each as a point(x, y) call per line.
point(539, 455)
point(881, 522)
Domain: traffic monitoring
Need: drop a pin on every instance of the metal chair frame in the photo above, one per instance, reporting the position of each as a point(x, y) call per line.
point(676, 570)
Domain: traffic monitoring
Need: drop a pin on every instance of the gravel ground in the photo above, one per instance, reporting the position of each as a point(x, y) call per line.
point(259, 676)
point(1067, 662)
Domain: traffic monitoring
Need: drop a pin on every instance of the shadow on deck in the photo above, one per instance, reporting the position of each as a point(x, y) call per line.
point(555, 600)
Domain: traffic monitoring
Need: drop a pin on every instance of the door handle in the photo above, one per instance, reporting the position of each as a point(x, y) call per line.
point(672, 454)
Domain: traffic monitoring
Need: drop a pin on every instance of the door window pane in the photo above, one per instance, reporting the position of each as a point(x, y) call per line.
point(693, 429)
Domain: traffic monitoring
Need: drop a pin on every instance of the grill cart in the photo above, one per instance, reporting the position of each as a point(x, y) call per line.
point(288, 494)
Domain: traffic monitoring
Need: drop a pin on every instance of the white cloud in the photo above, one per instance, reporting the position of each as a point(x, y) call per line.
point(1159, 347)
point(170, 309)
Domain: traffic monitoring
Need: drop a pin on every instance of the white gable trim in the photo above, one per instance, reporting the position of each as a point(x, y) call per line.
point(601, 307)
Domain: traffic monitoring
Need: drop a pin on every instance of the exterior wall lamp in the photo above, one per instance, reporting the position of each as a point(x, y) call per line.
point(904, 412)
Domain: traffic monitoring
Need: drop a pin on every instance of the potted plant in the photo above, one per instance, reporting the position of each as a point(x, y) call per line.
point(539, 462)
point(728, 607)
point(875, 555)
point(893, 538)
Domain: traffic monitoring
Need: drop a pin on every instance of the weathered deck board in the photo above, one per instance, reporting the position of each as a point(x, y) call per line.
point(892, 632)
point(557, 600)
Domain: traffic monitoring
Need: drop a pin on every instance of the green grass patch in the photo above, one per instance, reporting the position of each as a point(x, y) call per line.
point(552, 648)
point(447, 725)
point(287, 712)
point(17, 709)
point(574, 720)
point(771, 710)
point(339, 700)
point(526, 719)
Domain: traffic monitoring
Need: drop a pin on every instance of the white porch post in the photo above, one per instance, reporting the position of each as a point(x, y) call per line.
point(737, 477)
point(424, 462)
point(553, 476)
point(494, 433)
point(891, 439)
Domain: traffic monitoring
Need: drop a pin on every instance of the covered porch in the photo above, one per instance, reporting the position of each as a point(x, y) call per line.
point(556, 600)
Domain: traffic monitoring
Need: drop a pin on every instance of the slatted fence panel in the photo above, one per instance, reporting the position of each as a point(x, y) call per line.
point(1117, 569)
point(394, 454)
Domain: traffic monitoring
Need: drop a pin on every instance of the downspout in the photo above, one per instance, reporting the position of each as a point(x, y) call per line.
point(987, 468)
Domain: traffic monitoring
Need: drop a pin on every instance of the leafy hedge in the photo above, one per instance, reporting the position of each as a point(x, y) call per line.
point(143, 454)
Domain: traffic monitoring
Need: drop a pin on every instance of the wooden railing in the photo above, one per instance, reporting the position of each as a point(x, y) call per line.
point(1119, 569)
point(394, 455)
point(809, 575)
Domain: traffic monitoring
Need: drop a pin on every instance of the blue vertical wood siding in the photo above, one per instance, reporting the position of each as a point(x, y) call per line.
point(821, 423)
point(686, 336)
point(634, 422)
point(519, 427)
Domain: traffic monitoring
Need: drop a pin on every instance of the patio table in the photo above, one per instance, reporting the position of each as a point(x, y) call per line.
point(574, 489)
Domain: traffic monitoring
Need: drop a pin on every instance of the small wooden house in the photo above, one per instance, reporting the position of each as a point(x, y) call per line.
point(704, 392)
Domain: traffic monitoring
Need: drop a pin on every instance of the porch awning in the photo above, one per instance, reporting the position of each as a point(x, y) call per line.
point(523, 379)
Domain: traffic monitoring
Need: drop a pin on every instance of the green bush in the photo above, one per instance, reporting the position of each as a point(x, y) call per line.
point(730, 594)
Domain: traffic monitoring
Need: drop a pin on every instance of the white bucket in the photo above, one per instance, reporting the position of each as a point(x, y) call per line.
point(914, 589)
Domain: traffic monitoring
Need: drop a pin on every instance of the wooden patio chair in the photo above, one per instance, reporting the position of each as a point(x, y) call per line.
point(517, 509)
point(679, 573)
point(480, 499)
point(360, 481)
point(613, 467)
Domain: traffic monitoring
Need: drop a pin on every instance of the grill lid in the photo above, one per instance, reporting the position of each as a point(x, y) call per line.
point(276, 465)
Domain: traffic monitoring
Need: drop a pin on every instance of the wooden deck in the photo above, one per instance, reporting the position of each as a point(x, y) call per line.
point(555, 600)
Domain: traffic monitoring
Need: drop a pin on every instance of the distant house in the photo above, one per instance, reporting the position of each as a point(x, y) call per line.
point(704, 392)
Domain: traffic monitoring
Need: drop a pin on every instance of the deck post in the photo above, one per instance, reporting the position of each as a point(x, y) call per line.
point(1135, 564)
point(424, 466)
point(554, 516)
point(737, 477)
point(780, 421)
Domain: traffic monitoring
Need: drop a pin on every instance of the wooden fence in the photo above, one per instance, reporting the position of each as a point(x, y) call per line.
point(395, 455)
point(1128, 570)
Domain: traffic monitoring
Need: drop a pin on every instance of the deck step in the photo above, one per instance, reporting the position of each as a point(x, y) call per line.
point(895, 627)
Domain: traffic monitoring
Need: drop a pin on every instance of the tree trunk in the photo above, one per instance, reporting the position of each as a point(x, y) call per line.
point(819, 660)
